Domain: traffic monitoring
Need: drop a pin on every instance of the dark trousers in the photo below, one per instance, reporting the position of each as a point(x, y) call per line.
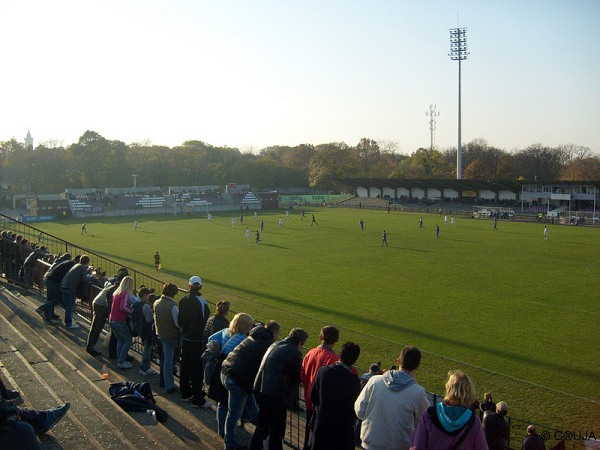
point(98, 321)
point(21, 437)
point(192, 371)
point(272, 415)
point(309, 413)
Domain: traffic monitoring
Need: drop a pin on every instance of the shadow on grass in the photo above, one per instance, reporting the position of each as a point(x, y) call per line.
point(560, 368)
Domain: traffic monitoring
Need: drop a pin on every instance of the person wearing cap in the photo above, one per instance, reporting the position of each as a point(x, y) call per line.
point(193, 315)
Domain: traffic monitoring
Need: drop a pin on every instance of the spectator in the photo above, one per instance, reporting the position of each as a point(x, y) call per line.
point(75, 278)
point(226, 339)
point(216, 323)
point(320, 356)
point(487, 404)
point(333, 394)
point(375, 369)
point(193, 315)
point(495, 427)
point(101, 311)
point(533, 441)
point(120, 309)
point(18, 426)
point(391, 404)
point(53, 278)
point(451, 423)
point(276, 387)
point(146, 335)
point(166, 321)
point(237, 375)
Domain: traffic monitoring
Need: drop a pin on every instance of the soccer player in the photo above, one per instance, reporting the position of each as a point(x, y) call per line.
point(84, 228)
point(248, 234)
point(281, 222)
point(421, 223)
point(257, 236)
point(209, 217)
point(135, 225)
point(287, 214)
point(446, 220)
point(545, 233)
point(255, 215)
point(453, 222)
point(495, 224)
point(262, 225)
point(157, 260)
point(233, 221)
point(384, 239)
point(362, 225)
point(314, 221)
point(437, 231)
point(302, 214)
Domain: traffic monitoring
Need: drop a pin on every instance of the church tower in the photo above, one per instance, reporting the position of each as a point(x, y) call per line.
point(29, 140)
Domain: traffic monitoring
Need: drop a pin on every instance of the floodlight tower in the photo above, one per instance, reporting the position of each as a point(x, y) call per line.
point(458, 52)
point(432, 115)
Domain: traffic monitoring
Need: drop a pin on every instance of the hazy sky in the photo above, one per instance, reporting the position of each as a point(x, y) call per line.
point(255, 73)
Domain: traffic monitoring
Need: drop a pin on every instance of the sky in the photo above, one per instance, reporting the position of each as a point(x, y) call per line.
point(257, 73)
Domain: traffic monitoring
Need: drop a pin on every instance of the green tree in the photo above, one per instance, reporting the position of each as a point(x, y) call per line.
point(331, 162)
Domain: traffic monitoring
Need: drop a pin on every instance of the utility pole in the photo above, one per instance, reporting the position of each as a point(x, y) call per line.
point(458, 52)
point(432, 115)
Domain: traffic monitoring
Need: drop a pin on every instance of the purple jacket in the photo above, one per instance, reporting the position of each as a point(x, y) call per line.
point(431, 435)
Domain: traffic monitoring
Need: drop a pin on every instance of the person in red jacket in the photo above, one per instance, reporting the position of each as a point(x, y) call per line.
point(320, 356)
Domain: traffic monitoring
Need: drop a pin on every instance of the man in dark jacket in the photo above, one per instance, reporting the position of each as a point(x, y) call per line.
point(276, 387)
point(237, 375)
point(333, 394)
point(74, 280)
point(193, 314)
point(52, 279)
point(495, 427)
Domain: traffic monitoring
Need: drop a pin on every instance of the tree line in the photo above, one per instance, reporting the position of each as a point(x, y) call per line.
point(96, 162)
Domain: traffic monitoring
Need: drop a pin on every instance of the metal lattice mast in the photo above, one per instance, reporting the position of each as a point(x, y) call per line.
point(458, 52)
point(432, 115)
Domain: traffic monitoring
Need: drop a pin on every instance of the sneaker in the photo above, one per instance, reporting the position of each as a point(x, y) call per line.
point(125, 365)
point(187, 399)
point(206, 404)
point(52, 321)
point(147, 372)
point(41, 310)
point(55, 317)
point(172, 390)
point(73, 326)
point(93, 352)
point(129, 358)
point(53, 416)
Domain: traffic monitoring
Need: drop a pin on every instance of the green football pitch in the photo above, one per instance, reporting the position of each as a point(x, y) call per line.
point(518, 313)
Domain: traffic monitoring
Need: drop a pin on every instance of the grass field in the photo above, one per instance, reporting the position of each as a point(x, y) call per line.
point(518, 313)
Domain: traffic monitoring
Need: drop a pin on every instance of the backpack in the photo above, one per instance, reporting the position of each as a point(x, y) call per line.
point(132, 396)
point(137, 319)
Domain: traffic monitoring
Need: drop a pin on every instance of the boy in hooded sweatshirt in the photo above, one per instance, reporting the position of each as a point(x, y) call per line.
point(391, 404)
point(451, 423)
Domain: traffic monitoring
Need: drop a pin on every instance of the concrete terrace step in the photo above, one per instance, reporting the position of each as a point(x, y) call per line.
point(49, 365)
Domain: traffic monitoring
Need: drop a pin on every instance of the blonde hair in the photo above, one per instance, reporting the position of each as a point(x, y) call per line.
point(241, 323)
point(460, 390)
point(126, 285)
